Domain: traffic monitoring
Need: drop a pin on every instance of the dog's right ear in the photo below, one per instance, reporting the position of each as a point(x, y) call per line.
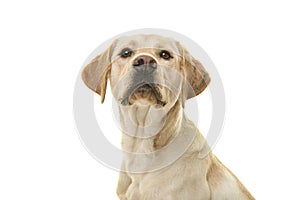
point(96, 73)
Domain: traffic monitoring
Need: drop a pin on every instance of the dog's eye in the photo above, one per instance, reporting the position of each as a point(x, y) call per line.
point(165, 55)
point(126, 53)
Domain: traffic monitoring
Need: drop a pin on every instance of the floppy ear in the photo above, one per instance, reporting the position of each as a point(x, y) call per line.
point(196, 76)
point(96, 73)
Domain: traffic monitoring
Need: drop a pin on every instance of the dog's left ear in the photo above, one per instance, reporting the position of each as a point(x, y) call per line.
point(95, 74)
point(197, 78)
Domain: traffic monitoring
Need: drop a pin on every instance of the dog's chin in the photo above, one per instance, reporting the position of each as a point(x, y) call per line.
point(145, 95)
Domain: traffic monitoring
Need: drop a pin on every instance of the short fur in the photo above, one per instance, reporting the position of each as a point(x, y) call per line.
point(195, 175)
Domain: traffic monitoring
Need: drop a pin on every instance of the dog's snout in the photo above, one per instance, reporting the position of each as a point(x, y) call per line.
point(145, 63)
point(144, 60)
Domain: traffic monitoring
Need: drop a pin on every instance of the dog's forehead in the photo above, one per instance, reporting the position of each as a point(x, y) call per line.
point(145, 41)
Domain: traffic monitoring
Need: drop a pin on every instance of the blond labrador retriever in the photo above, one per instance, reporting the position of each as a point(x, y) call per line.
point(165, 156)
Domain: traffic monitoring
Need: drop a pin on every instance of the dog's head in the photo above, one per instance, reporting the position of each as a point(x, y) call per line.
point(146, 69)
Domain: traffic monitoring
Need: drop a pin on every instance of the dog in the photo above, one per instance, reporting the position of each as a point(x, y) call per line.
point(165, 155)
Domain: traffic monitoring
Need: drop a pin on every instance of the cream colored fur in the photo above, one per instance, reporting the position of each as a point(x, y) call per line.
point(197, 174)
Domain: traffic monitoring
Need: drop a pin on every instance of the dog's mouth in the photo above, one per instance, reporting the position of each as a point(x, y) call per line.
point(145, 93)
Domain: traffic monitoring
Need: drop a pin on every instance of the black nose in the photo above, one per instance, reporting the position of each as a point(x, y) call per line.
point(145, 63)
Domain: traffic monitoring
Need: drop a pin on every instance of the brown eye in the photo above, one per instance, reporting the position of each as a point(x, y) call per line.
point(126, 53)
point(165, 55)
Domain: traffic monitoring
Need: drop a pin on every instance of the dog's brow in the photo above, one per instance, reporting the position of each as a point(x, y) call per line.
point(132, 43)
point(167, 47)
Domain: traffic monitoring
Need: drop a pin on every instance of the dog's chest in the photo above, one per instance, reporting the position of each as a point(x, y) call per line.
point(141, 146)
point(177, 181)
point(152, 186)
point(141, 155)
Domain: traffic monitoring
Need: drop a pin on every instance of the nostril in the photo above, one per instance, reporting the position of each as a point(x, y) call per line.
point(141, 61)
point(152, 63)
point(138, 62)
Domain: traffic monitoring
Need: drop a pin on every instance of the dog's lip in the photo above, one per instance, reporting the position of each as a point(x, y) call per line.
point(145, 86)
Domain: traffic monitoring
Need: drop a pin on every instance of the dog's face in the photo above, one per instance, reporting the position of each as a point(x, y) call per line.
point(148, 70)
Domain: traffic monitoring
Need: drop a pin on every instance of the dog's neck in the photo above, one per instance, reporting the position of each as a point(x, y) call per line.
point(176, 133)
point(146, 129)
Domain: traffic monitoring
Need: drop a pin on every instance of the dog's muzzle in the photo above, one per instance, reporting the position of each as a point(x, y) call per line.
point(143, 80)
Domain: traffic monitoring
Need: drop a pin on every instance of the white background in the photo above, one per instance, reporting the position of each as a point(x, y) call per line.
point(254, 44)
